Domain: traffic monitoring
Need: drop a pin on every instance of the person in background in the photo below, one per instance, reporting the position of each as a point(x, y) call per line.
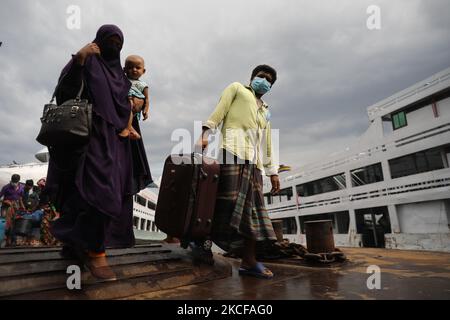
point(37, 213)
point(12, 201)
point(30, 203)
point(30, 198)
point(50, 215)
point(34, 199)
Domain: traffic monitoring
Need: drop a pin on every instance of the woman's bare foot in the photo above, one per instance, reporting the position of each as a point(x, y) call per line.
point(170, 239)
point(134, 135)
point(125, 133)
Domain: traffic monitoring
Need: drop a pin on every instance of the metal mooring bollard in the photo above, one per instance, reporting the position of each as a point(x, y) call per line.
point(319, 236)
point(278, 229)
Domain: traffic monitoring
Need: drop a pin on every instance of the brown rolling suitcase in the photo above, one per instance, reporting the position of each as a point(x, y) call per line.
point(187, 197)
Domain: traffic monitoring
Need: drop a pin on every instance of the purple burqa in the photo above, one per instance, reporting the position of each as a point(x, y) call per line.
point(93, 185)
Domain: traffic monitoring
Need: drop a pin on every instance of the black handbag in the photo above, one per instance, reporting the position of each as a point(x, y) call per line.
point(67, 124)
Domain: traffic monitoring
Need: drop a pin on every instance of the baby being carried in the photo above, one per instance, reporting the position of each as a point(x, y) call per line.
point(134, 69)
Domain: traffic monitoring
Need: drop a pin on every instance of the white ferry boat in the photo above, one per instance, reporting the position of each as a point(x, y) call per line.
point(144, 203)
point(390, 189)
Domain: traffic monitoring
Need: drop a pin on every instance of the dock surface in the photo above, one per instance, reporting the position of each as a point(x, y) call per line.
point(163, 271)
point(404, 275)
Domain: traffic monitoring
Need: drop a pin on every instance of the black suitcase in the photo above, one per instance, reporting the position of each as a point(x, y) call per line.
point(187, 197)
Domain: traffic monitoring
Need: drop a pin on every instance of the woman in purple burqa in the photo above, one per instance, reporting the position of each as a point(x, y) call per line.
point(92, 185)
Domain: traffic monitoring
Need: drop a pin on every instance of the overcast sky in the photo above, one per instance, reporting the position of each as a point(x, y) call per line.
point(330, 66)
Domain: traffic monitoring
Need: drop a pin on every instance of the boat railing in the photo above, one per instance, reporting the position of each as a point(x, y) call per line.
point(395, 189)
point(408, 95)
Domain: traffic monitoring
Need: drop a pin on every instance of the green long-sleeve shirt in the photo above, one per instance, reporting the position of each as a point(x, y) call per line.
point(246, 130)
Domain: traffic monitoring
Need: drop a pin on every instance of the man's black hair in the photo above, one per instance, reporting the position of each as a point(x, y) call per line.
point(265, 68)
point(29, 183)
point(15, 178)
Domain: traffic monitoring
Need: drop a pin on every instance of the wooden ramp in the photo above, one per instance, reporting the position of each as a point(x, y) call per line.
point(40, 273)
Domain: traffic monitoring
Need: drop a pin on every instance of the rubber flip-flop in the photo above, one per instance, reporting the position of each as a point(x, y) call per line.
point(257, 271)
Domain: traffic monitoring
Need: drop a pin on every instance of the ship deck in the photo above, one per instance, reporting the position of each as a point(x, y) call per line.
point(405, 275)
point(161, 271)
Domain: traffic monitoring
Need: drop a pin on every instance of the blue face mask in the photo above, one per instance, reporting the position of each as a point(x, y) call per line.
point(260, 85)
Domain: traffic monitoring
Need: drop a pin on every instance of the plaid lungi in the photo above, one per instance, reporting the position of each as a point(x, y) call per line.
point(240, 211)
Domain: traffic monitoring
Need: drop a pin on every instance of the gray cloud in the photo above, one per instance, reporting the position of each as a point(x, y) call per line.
point(331, 67)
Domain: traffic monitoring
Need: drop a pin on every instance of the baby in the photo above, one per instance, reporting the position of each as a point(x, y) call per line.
point(134, 69)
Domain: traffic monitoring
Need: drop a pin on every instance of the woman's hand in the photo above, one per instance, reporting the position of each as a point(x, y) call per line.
point(131, 102)
point(88, 50)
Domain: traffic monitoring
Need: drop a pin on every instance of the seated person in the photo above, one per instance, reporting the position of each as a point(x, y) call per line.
point(30, 198)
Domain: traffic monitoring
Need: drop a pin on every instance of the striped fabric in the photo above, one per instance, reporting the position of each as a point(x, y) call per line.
point(47, 238)
point(10, 219)
point(240, 211)
point(284, 168)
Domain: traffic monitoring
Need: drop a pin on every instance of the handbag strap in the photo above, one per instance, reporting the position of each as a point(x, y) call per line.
point(78, 97)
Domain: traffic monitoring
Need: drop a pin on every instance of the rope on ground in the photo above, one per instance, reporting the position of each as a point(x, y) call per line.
point(288, 250)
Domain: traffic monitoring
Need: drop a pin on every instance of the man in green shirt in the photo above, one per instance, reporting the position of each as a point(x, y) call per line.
point(241, 219)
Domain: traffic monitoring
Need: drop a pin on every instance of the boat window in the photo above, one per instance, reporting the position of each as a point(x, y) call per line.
point(373, 224)
point(328, 184)
point(447, 157)
point(267, 198)
point(340, 221)
point(399, 120)
point(422, 161)
point(367, 175)
point(141, 200)
point(151, 205)
point(135, 222)
point(285, 194)
point(289, 225)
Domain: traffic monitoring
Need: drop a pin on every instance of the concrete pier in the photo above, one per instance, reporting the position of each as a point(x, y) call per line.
point(161, 271)
point(40, 273)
